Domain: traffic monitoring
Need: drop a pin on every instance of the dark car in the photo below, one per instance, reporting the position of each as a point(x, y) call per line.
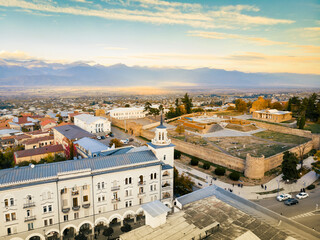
point(111, 135)
point(291, 201)
point(103, 137)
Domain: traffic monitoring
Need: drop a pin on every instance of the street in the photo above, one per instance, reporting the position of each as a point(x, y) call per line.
point(118, 133)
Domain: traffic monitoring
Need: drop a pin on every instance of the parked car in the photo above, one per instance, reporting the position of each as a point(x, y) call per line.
point(291, 201)
point(98, 137)
point(107, 136)
point(126, 141)
point(302, 195)
point(283, 197)
point(103, 137)
point(111, 135)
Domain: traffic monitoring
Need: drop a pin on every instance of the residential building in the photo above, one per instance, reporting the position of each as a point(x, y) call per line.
point(59, 198)
point(272, 115)
point(88, 147)
point(38, 142)
point(92, 124)
point(36, 154)
point(48, 124)
point(127, 113)
point(26, 122)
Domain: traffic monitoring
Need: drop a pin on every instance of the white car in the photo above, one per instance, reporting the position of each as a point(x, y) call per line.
point(283, 197)
point(302, 195)
point(98, 137)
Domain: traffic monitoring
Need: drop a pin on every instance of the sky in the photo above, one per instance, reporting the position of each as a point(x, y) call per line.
point(249, 36)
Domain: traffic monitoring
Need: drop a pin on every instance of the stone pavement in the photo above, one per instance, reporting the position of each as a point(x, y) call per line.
point(251, 192)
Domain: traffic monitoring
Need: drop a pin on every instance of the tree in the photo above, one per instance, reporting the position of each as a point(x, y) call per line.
point(241, 105)
point(180, 129)
point(187, 102)
point(182, 183)
point(276, 105)
point(154, 111)
point(147, 106)
point(301, 150)
point(116, 142)
point(194, 161)
point(289, 166)
point(316, 166)
point(177, 154)
point(301, 121)
point(127, 105)
point(235, 176)
point(220, 171)
point(80, 236)
point(206, 166)
point(126, 227)
point(108, 232)
point(161, 108)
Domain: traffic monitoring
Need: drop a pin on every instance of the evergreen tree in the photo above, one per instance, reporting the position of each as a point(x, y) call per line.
point(289, 166)
point(187, 102)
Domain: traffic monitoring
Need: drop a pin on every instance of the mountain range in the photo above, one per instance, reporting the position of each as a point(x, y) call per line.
point(37, 73)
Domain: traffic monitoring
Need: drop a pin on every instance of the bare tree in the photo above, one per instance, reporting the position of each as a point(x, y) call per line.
point(301, 151)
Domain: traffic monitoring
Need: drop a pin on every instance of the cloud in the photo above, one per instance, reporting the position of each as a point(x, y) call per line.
point(317, 29)
point(115, 48)
point(219, 35)
point(16, 55)
point(168, 13)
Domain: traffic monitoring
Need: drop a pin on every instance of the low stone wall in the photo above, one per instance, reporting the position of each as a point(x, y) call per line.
point(277, 128)
point(132, 127)
point(209, 155)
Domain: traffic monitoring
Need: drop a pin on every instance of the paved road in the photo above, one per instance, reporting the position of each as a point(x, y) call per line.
point(118, 133)
point(305, 212)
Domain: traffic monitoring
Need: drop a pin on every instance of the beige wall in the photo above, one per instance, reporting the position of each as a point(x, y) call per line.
point(36, 157)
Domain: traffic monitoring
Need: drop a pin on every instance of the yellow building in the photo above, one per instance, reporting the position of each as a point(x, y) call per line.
point(100, 112)
point(272, 115)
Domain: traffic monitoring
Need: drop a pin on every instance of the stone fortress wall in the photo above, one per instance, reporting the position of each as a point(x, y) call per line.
point(253, 167)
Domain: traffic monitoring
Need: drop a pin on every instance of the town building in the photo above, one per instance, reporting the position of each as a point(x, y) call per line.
point(92, 124)
point(57, 199)
point(88, 147)
point(272, 115)
point(127, 113)
point(36, 154)
point(38, 142)
point(48, 124)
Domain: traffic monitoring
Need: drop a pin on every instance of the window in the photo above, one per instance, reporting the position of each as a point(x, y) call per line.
point(65, 218)
point(115, 206)
point(6, 203)
point(85, 198)
point(102, 185)
point(103, 198)
point(155, 187)
point(151, 176)
point(99, 199)
point(30, 226)
point(7, 217)
point(128, 203)
point(13, 216)
point(85, 187)
point(50, 221)
point(9, 231)
point(11, 201)
point(155, 175)
point(45, 222)
point(98, 185)
point(126, 181)
point(127, 193)
point(50, 208)
point(130, 180)
point(44, 209)
point(151, 187)
point(76, 215)
point(29, 198)
point(164, 157)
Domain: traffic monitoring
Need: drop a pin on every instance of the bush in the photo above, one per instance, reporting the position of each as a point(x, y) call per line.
point(234, 176)
point(126, 228)
point(310, 187)
point(194, 162)
point(312, 152)
point(220, 171)
point(206, 166)
point(177, 154)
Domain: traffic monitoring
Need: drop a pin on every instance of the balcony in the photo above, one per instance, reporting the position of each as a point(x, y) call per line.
point(166, 188)
point(166, 176)
point(142, 194)
point(30, 218)
point(115, 188)
point(87, 205)
point(75, 192)
point(114, 200)
point(29, 204)
point(65, 210)
point(75, 208)
point(141, 183)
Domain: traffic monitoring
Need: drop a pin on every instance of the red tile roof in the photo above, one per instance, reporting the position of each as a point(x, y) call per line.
point(22, 120)
point(39, 151)
point(47, 121)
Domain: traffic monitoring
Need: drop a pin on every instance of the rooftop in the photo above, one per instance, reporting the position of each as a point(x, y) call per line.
point(155, 208)
point(273, 111)
point(49, 171)
point(39, 151)
point(87, 118)
point(73, 132)
point(91, 145)
point(39, 139)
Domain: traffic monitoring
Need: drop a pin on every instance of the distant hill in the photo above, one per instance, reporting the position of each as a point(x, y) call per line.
point(37, 73)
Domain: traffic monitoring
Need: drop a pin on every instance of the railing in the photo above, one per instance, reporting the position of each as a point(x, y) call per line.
point(141, 183)
point(65, 210)
point(115, 200)
point(74, 193)
point(141, 194)
point(114, 188)
point(75, 208)
point(30, 218)
point(87, 205)
point(166, 188)
point(165, 176)
point(166, 196)
point(29, 204)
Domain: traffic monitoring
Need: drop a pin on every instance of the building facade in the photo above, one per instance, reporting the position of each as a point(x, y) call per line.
point(272, 115)
point(92, 124)
point(53, 199)
point(127, 113)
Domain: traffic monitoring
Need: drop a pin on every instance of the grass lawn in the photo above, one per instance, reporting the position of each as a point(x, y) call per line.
point(228, 113)
point(281, 137)
point(313, 127)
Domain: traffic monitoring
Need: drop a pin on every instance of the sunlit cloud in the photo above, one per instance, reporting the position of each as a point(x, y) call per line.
point(115, 48)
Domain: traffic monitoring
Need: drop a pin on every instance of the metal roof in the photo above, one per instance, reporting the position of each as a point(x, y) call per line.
point(155, 208)
point(166, 167)
point(41, 172)
point(197, 195)
point(91, 145)
point(160, 146)
point(73, 132)
point(88, 119)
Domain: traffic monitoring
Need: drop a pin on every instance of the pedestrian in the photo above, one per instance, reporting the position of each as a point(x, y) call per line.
point(261, 185)
point(265, 187)
point(232, 184)
point(241, 185)
point(238, 184)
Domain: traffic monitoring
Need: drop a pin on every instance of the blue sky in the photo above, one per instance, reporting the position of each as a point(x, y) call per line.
point(250, 36)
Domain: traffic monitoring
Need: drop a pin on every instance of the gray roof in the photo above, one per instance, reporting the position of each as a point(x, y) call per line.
point(160, 146)
point(87, 118)
point(91, 145)
point(155, 208)
point(49, 171)
point(197, 195)
point(73, 132)
point(116, 151)
point(166, 167)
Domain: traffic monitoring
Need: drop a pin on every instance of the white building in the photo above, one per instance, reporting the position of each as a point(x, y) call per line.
point(60, 198)
point(92, 124)
point(127, 113)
